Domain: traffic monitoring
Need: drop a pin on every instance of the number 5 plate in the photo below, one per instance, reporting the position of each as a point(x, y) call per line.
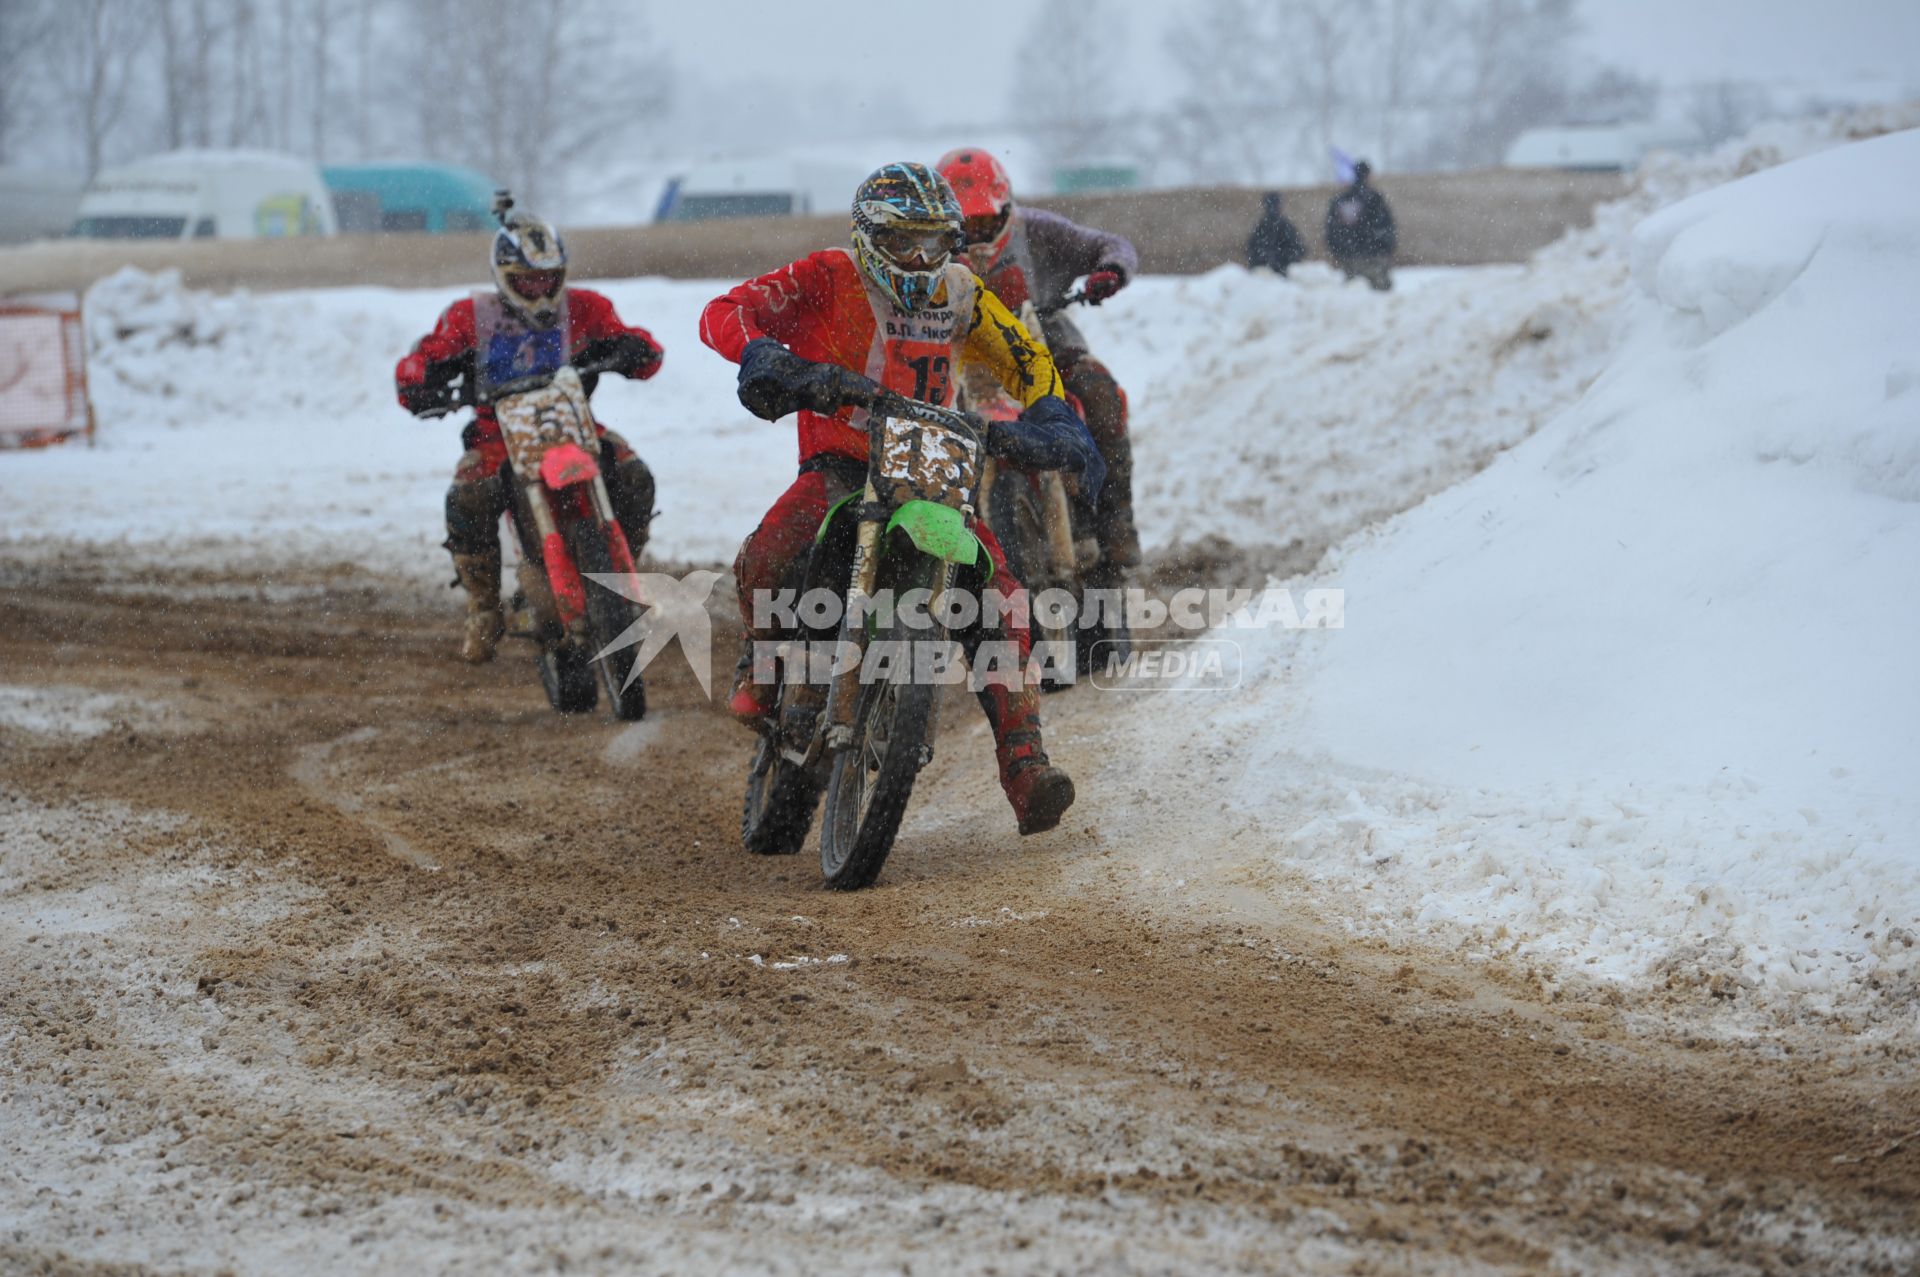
point(920, 461)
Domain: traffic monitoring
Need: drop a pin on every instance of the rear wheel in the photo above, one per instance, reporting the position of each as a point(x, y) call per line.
point(781, 796)
point(872, 779)
point(609, 615)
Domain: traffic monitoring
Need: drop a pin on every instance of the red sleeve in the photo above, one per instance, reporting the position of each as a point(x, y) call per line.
point(784, 304)
point(451, 338)
point(591, 317)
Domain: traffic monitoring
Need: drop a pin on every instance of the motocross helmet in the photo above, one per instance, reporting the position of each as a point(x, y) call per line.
point(906, 228)
point(986, 201)
point(529, 265)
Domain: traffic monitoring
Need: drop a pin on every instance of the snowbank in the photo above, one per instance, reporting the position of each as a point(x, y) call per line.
point(1642, 696)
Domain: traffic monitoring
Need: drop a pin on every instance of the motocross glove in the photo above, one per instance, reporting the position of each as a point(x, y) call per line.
point(1103, 284)
point(628, 354)
point(1049, 435)
point(429, 397)
point(774, 382)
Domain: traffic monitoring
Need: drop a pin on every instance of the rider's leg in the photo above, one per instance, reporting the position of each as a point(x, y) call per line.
point(759, 572)
point(1105, 404)
point(1039, 792)
point(475, 501)
point(630, 488)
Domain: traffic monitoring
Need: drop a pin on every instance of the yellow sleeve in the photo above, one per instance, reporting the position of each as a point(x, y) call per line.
point(999, 342)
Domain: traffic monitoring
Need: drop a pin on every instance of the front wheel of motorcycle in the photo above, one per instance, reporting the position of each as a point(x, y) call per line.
point(567, 674)
point(609, 615)
point(872, 778)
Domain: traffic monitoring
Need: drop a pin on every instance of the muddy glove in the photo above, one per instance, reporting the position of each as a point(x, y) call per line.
point(1049, 435)
point(774, 382)
point(627, 354)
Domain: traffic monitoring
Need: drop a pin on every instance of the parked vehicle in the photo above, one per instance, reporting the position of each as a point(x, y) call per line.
point(433, 198)
point(37, 203)
point(1610, 149)
point(206, 195)
point(757, 188)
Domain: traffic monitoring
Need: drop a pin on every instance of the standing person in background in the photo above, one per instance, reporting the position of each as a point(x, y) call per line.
point(1360, 233)
point(1275, 242)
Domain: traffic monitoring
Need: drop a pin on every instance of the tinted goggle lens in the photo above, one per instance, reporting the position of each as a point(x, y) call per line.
point(536, 285)
point(920, 247)
point(986, 228)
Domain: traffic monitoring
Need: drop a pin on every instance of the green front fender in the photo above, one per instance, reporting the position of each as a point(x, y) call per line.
point(938, 530)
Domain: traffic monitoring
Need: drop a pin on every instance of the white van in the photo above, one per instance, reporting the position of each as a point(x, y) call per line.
point(206, 195)
point(765, 187)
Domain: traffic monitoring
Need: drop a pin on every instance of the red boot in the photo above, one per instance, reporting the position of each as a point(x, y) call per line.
point(1039, 792)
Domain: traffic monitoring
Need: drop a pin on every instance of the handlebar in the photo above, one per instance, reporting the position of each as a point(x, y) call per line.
point(463, 396)
point(1073, 298)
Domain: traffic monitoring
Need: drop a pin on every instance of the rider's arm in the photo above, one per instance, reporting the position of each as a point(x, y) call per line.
point(1049, 434)
point(1000, 342)
point(627, 349)
point(446, 353)
point(1075, 250)
point(785, 305)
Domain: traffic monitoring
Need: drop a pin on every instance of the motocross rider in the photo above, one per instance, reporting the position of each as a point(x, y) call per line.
point(1031, 254)
point(897, 309)
point(530, 316)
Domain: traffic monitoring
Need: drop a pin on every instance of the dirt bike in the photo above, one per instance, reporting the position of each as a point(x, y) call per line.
point(564, 523)
point(1033, 516)
point(864, 742)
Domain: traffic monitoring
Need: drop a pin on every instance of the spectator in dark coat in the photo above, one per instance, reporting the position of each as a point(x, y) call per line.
point(1275, 242)
point(1360, 234)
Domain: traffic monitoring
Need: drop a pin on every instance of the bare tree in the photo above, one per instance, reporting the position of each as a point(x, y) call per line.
point(510, 86)
point(98, 46)
point(26, 29)
point(1068, 75)
point(1727, 109)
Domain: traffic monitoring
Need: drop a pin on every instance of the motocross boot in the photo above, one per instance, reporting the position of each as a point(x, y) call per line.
point(1039, 792)
point(754, 689)
point(480, 575)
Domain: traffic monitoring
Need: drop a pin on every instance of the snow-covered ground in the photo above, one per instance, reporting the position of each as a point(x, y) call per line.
point(1640, 699)
point(1635, 699)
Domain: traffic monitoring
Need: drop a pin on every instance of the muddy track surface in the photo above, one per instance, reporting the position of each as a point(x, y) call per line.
point(328, 953)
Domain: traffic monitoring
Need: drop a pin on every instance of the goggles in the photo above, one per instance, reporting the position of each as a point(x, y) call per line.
point(916, 247)
point(536, 285)
point(986, 228)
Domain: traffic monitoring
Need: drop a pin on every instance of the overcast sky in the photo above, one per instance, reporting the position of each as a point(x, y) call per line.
point(1871, 47)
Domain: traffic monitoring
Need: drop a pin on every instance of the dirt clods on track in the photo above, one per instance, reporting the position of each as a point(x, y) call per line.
point(327, 953)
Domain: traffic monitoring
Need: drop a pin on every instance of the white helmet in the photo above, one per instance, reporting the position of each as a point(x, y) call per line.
point(529, 264)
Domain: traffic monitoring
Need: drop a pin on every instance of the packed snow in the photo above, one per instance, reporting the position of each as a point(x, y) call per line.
point(1635, 700)
point(1640, 698)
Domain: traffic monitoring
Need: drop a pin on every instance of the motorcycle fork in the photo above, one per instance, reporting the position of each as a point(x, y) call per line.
point(563, 579)
point(845, 695)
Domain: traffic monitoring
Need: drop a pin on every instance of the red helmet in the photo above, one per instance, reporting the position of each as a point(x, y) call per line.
point(986, 200)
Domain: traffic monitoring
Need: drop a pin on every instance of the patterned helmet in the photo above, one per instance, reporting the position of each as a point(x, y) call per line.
point(529, 265)
point(906, 228)
point(986, 201)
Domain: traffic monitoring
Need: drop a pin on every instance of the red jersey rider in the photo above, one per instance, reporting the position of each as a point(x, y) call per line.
point(1030, 254)
point(898, 310)
point(530, 307)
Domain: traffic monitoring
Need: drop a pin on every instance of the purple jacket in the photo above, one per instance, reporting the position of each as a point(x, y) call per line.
point(1046, 253)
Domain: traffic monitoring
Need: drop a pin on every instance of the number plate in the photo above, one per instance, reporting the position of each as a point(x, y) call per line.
point(920, 461)
point(535, 420)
